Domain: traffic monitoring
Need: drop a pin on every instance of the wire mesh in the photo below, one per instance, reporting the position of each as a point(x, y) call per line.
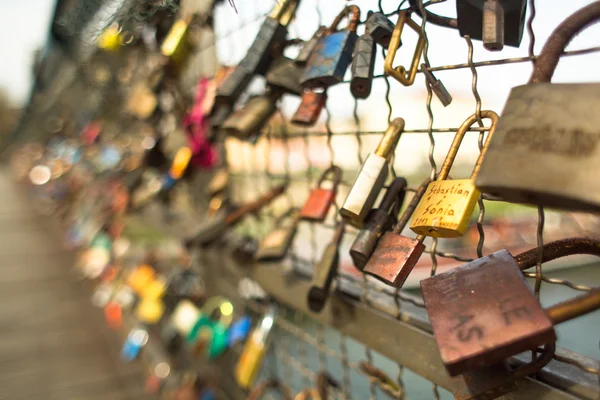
point(343, 136)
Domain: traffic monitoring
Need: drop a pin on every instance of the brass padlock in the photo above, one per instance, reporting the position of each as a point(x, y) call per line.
point(331, 57)
point(214, 228)
point(270, 39)
point(447, 205)
point(320, 200)
point(363, 63)
point(310, 108)
point(371, 177)
point(325, 270)
point(484, 311)
point(247, 122)
point(395, 256)
point(380, 28)
point(546, 150)
point(400, 73)
point(275, 245)
point(378, 221)
point(495, 22)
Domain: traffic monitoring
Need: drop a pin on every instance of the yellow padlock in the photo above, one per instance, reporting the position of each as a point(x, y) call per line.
point(140, 277)
point(447, 205)
point(150, 310)
point(180, 162)
point(254, 352)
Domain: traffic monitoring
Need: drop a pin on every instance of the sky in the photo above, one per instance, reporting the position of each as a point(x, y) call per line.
point(24, 26)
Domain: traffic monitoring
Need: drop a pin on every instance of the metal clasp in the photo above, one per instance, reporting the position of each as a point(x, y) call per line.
point(399, 73)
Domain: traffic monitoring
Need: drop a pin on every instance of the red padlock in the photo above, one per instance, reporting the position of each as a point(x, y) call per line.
point(318, 202)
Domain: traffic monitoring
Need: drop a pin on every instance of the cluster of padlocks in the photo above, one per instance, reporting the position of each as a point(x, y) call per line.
point(542, 150)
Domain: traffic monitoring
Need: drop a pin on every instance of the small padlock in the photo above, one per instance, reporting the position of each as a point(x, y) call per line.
point(378, 221)
point(176, 46)
point(270, 38)
point(310, 108)
point(546, 148)
point(255, 349)
point(495, 22)
point(437, 86)
point(319, 200)
point(331, 57)
point(400, 73)
point(380, 28)
point(363, 63)
point(395, 255)
point(216, 227)
point(325, 271)
point(275, 245)
point(228, 92)
point(136, 339)
point(371, 177)
point(285, 74)
point(484, 312)
point(250, 119)
point(447, 205)
point(308, 47)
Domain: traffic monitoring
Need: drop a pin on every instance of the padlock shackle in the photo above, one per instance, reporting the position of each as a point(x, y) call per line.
point(432, 18)
point(558, 249)
point(559, 39)
point(284, 11)
point(390, 139)
point(575, 307)
point(539, 363)
point(394, 196)
point(261, 389)
point(460, 134)
point(353, 14)
point(337, 176)
point(407, 214)
point(400, 73)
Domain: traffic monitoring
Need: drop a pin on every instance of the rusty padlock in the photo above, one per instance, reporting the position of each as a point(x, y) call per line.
point(310, 108)
point(320, 199)
point(395, 256)
point(275, 245)
point(325, 270)
point(546, 149)
point(331, 57)
point(447, 205)
point(484, 312)
point(378, 221)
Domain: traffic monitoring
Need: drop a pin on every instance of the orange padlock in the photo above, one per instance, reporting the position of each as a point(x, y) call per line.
point(320, 199)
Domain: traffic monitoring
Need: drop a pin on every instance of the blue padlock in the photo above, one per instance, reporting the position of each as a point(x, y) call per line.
point(238, 331)
point(332, 55)
point(136, 339)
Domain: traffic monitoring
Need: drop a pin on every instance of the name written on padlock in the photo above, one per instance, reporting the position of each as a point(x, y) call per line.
point(549, 139)
point(454, 196)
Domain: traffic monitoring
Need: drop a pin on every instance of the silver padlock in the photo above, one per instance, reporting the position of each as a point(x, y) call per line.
point(437, 87)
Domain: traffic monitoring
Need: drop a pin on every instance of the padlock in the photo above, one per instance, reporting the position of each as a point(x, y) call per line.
point(252, 117)
point(284, 74)
point(363, 63)
point(176, 46)
point(180, 162)
point(310, 108)
point(150, 311)
point(484, 312)
point(308, 47)
point(447, 205)
point(209, 334)
point(378, 221)
point(227, 94)
point(545, 150)
point(320, 200)
point(325, 270)
point(437, 86)
point(136, 339)
point(213, 229)
point(495, 22)
point(400, 73)
point(331, 57)
point(380, 28)
point(395, 256)
point(255, 349)
point(238, 331)
point(275, 245)
point(371, 177)
point(270, 39)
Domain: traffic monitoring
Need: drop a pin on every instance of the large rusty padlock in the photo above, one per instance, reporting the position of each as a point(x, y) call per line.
point(447, 205)
point(320, 200)
point(547, 147)
point(332, 56)
point(484, 312)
